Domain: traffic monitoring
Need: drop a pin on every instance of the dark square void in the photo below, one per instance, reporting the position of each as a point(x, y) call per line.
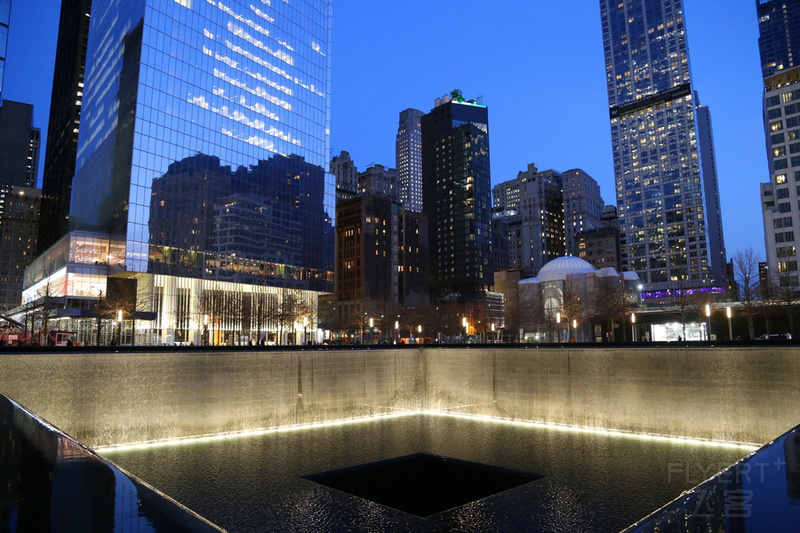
point(423, 484)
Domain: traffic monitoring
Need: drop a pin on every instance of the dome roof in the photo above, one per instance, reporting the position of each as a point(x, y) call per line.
point(561, 267)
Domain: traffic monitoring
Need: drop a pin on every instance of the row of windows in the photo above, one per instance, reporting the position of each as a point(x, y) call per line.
point(785, 98)
point(783, 222)
point(783, 164)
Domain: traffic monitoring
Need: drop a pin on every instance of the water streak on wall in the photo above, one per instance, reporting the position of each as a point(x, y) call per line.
point(746, 394)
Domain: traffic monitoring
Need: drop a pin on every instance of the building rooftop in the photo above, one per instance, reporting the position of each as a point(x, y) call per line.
point(560, 267)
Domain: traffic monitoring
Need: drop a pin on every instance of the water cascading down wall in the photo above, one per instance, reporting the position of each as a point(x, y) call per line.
point(740, 394)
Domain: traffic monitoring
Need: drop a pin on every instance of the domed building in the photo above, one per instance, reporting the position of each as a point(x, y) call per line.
point(560, 268)
point(571, 300)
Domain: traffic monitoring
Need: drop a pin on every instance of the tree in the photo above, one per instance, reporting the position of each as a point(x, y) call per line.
point(263, 304)
point(611, 302)
point(572, 307)
point(47, 303)
point(745, 271)
point(786, 292)
point(291, 308)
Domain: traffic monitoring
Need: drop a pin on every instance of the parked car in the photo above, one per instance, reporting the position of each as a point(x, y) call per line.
point(775, 337)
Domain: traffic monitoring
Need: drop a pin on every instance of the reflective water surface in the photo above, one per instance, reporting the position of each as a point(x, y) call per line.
point(760, 493)
point(593, 483)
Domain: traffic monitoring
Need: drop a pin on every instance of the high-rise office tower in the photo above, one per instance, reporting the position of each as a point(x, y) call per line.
point(19, 200)
point(778, 35)
point(214, 115)
point(583, 205)
point(662, 199)
point(19, 222)
point(779, 38)
point(19, 145)
point(408, 150)
point(529, 218)
point(456, 196)
point(64, 124)
point(708, 168)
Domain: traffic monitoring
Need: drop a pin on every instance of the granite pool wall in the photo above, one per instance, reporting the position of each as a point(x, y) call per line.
point(731, 393)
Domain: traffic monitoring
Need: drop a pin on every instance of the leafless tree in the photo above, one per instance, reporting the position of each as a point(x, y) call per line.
point(745, 268)
point(786, 293)
point(291, 308)
point(611, 303)
point(47, 295)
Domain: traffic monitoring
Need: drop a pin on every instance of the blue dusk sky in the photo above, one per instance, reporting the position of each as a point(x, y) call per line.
point(537, 65)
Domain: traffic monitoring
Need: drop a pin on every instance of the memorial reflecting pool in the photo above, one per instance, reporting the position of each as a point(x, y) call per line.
point(591, 482)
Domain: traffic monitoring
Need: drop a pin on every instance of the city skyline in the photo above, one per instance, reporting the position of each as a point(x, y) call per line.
point(558, 123)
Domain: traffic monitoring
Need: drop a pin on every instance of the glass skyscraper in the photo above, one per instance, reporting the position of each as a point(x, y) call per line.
point(662, 201)
point(408, 152)
point(202, 155)
point(171, 81)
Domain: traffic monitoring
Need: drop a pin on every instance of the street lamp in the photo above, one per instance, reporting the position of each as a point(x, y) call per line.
point(305, 329)
point(633, 327)
point(730, 328)
point(708, 322)
point(558, 328)
point(205, 330)
point(575, 328)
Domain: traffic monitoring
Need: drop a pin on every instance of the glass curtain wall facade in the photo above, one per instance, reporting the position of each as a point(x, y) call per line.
point(205, 124)
point(201, 159)
point(659, 184)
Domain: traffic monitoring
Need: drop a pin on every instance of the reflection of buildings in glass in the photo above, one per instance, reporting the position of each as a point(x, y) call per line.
point(241, 82)
point(275, 213)
point(245, 82)
point(183, 199)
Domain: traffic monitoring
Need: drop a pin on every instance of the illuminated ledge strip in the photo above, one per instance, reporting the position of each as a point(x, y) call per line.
point(600, 431)
point(481, 418)
point(246, 433)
